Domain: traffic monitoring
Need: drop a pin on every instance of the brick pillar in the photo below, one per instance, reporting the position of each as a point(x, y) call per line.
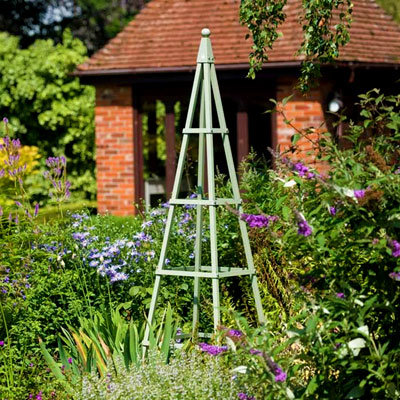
point(304, 112)
point(114, 154)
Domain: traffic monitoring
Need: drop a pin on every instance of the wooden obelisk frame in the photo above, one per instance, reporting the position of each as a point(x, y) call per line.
point(205, 86)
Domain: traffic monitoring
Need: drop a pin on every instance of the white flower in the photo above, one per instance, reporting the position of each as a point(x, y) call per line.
point(290, 184)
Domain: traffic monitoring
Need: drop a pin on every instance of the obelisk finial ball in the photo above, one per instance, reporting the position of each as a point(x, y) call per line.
point(205, 32)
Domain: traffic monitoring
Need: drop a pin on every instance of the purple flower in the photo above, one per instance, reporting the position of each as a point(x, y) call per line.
point(178, 334)
point(332, 210)
point(359, 194)
point(256, 352)
point(235, 333)
point(300, 168)
point(119, 276)
point(304, 228)
point(280, 376)
point(397, 172)
point(36, 210)
point(39, 396)
point(211, 349)
point(244, 396)
point(1, 343)
point(340, 295)
point(310, 175)
point(395, 246)
point(69, 360)
point(395, 276)
point(5, 120)
point(258, 221)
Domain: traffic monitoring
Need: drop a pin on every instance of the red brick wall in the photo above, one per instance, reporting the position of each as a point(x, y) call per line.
point(114, 143)
point(304, 112)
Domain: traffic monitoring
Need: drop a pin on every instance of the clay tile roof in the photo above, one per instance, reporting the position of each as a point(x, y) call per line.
point(166, 34)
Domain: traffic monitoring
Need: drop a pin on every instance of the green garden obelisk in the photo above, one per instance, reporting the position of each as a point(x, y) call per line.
point(205, 88)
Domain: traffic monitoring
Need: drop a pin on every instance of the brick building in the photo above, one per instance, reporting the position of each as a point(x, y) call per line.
point(154, 58)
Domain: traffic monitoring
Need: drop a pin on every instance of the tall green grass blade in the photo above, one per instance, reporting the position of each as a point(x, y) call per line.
point(167, 334)
point(55, 369)
point(134, 341)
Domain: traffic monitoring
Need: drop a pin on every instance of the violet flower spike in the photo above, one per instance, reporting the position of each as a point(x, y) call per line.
point(301, 169)
point(359, 193)
point(235, 333)
point(304, 228)
point(395, 276)
point(244, 396)
point(280, 376)
point(258, 221)
point(211, 349)
point(395, 246)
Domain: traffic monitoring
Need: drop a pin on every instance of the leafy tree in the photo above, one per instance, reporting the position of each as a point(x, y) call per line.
point(97, 21)
point(392, 7)
point(47, 106)
point(92, 21)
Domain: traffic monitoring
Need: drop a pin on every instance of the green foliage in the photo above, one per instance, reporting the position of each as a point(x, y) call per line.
point(392, 7)
point(262, 18)
point(104, 339)
point(328, 265)
point(47, 106)
point(342, 294)
point(323, 34)
point(92, 21)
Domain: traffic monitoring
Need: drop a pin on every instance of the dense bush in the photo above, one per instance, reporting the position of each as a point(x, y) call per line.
point(330, 262)
point(47, 106)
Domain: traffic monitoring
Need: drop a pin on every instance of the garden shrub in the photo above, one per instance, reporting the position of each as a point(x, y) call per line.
point(48, 107)
point(332, 260)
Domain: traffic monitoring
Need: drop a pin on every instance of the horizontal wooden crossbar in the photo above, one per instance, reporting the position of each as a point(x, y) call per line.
point(205, 130)
point(184, 336)
point(205, 272)
point(205, 202)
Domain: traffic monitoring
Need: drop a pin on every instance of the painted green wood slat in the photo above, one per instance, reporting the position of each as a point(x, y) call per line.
point(236, 195)
point(216, 202)
point(199, 215)
point(206, 84)
point(205, 130)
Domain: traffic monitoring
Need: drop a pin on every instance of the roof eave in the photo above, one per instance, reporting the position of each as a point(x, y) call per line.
point(134, 71)
point(242, 66)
